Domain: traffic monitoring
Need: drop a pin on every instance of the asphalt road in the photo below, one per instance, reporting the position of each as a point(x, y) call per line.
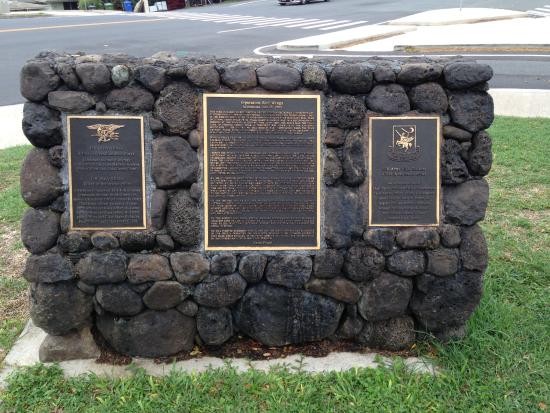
point(230, 29)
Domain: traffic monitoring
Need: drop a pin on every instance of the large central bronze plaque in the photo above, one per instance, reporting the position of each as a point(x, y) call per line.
point(404, 171)
point(106, 172)
point(262, 172)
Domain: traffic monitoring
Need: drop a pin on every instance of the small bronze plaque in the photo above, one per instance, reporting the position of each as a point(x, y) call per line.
point(262, 172)
point(404, 171)
point(106, 172)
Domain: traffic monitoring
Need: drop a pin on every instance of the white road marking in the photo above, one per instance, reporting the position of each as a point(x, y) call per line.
point(345, 25)
point(248, 2)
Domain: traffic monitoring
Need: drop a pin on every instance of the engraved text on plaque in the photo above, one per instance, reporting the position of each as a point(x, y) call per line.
point(261, 171)
point(404, 171)
point(106, 172)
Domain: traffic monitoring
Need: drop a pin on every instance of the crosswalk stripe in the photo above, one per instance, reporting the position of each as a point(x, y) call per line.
point(262, 21)
point(344, 25)
point(543, 9)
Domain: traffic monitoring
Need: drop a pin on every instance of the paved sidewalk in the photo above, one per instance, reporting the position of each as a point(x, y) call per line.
point(445, 30)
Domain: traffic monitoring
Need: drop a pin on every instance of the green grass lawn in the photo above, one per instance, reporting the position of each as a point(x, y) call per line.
point(503, 365)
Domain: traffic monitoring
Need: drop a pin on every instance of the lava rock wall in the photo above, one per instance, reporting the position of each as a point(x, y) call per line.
point(156, 292)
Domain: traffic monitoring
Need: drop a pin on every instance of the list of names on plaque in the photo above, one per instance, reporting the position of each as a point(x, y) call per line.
point(106, 172)
point(404, 171)
point(262, 164)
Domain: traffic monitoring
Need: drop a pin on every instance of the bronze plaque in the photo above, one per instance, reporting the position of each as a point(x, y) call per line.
point(262, 172)
point(404, 171)
point(106, 172)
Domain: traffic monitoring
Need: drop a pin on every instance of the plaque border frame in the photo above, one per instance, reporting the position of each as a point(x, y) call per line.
point(438, 170)
point(69, 163)
point(317, 98)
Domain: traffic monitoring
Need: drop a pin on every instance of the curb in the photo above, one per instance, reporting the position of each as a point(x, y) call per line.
point(463, 21)
point(473, 48)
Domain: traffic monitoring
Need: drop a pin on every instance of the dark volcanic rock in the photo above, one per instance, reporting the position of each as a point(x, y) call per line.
point(353, 79)
point(384, 73)
point(143, 268)
point(175, 163)
point(461, 75)
point(70, 101)
point(277, 77)
point(102, 267)
point(67, 73)
point(41, 125)
point(354, 163)
point(394, 334)
point(104, 241)
point(344, 111)
point(39, 230)
point(351, 324)
point(450, 235)
point(414, 73)
point(149, 334)
point(214, 325)
point(454, 170)
point(219, 291)
point(418, 238)
point(466, 203)
point(339, 288)
point(40, 181)
point(459, 135)
point(223, 264)
point(277, 316)
point(335, 137)
point(239, 76)
point(74, 241)
point(252, 267)
point(95, 77)
point(152, 77)
point(314, 77)
point(441, 302)
point(47, 268)
point(119, 299)
point(130, 98)
point(343, 216)
point(183, 219)
point(385, 297)
point(332, 170)
point(473, 249)
point(389, 99)
point(292, 271)
point(363, 263)
point(165, 242)
point(328, 264)
point(136, 241)
point(59, 308)
point(442, 262)
point(188, 308)
point(55, 156)
point(164, 295)
point(177, 108)
point(472, 111)
point(189, 267)
point(204, 76)
point(480, 157)
point(159, 200)
point(429, 98)
point(406, 262)
point(37, 79)
point(383, 239)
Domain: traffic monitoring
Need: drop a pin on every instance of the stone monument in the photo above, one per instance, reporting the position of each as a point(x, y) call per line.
point(180, 202)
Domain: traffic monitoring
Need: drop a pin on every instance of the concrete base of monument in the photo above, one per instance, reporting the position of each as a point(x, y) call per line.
point(25, 353)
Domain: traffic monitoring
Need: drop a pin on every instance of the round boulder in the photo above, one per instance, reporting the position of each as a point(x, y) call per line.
point(292, 271)
point(429, 98)
point(363, 263)
point(130, 98)
point(314, 77)
point(472, 111)
point(355, 79)
point(177, 108)
point(102, 267)
point(214, 325)
point(95, 77)
point(385, 297)
point(164, 295)
point(389, 99)
point(239, 76)
point(204, 76)
point(183, 219)
point(37, 79)
point(149, 334)
point(41, 125)
point(39, 230)
point(278, 77)
point(219, 291)
point(119, 299)
point(252, 267)
point(462, 75)
point(175, 163)
point(345, 111)
point(47, 268)
point(40, 181)
point(189, 267)
point(59, 308)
